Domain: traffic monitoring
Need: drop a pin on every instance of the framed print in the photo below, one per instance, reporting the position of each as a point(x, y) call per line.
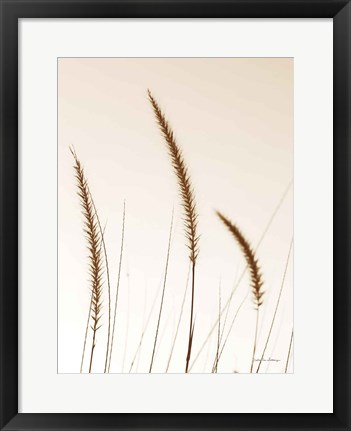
point(174, 236)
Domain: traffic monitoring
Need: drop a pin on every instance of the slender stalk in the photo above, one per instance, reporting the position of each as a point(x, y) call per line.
point(228, 308)
point(164, 330)
point(207, 355)
point(163, 292)
point(249, 254)
point(191, 327)
point(103, 244)
point(92, 349)
point(179, 320)
point(255, 272)
point(127, 328)
point(118, 283)
point(219, 330)
point(142, 326)
point(276, 307)
point(85, 336)
point(274, 345)
point(288, 357)
point(188, 204)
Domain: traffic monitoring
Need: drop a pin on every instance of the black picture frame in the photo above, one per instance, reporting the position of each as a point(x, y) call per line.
point(11, 11)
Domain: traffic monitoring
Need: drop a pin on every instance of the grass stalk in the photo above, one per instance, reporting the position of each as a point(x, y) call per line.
point(231, 325)
point(289, 351)
point(276, 307)
point(228, 308)
point(103, 245)
point(127, 325)
point(86, 332)
point(163, 292)
point(255, 339)
point(118, 283)
point(188, 204)
point(215, 365)
point(164, 331)
point(144, 331)
point(93, 236)
point(85, 337)
point(142, 326)
point(254, 268)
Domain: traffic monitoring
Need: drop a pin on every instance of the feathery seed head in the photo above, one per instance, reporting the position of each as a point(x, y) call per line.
point(249, 254)
point(93, 238)
point(183, 178)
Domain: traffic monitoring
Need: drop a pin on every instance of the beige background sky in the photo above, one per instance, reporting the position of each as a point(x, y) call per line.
point(233, 119)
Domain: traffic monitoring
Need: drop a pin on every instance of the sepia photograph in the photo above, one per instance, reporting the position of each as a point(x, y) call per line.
point(175, 215)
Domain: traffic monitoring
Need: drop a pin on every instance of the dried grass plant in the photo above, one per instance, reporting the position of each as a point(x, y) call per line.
point(179, 321)
point(276, 307)
point(94, 242)
point(117, 287)
point(163, 292)
point(98, 268)
point(289, 352)
point(188, 204)
point(254, 268)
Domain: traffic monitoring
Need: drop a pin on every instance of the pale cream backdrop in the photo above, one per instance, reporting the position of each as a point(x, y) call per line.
point(233, 118)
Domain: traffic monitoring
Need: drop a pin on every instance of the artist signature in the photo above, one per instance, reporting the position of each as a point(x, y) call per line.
point(267, 360)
